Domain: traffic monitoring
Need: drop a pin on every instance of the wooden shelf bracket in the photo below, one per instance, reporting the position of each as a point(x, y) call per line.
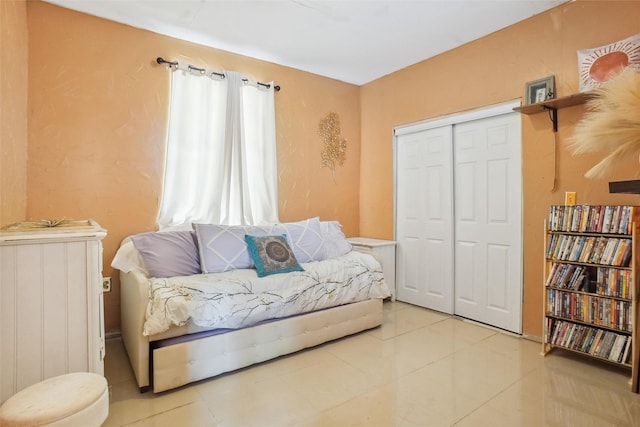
point(553, 115)
point(553, 105)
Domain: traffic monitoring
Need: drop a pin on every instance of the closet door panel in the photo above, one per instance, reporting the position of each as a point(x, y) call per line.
point(466, 274)
point(424, 221)
point(488, 171)
point(498, 277)
point(413, 277)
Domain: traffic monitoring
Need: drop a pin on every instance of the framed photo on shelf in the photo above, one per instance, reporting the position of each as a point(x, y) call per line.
point(540, 90)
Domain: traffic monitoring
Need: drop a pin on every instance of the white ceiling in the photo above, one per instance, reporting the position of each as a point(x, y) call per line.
point(355, 41)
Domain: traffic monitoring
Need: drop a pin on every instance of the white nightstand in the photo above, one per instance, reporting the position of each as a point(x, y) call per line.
point(386, 252)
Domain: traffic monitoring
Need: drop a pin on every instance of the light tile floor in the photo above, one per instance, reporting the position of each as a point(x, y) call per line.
point(420, 368)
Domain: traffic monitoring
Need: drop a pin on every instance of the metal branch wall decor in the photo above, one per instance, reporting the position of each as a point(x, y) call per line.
point(334, 151)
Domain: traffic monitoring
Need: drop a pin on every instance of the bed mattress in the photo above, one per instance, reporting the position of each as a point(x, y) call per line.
point(239, 298)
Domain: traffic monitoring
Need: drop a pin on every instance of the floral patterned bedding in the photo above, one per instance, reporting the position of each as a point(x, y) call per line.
point(239, 298)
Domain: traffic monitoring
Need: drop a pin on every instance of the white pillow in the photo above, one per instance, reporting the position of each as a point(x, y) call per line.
point(223, 248)
point(128, 259)
point(305, 239)
point(335, 242)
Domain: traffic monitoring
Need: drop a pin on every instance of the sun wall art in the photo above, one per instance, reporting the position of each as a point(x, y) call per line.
point(597, 65)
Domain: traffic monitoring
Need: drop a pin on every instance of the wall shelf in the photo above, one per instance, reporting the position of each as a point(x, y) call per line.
point(553, 105)
point(565, 101)
point(628, 187)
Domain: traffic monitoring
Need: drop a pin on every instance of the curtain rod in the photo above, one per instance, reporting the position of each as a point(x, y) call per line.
point(161, 60)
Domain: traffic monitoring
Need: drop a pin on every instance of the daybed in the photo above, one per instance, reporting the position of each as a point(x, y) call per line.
point(193, 305)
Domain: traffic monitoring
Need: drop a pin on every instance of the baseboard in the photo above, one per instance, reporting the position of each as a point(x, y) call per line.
point(503, 331)
point(113, 335)
point(532, 338)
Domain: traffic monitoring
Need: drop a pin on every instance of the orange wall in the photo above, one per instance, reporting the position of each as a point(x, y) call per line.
point(98, 107)
point(488, 71)
point(13, 111)
point(98, 113)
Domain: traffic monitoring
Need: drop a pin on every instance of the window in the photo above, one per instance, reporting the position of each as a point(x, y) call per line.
point(221, 151)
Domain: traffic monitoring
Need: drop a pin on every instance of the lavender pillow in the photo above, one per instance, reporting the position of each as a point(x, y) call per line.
point(335, 242)
point(168, 253)
point(305, 238)
point(223, 248)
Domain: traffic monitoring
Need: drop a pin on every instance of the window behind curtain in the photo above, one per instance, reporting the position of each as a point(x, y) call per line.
point(221, 152)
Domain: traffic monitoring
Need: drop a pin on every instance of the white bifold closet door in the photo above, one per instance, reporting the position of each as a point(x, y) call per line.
point(424, 219)
point(459, 219)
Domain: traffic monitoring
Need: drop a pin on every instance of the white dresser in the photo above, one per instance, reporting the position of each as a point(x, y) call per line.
point(385, 250)
point(51, 311)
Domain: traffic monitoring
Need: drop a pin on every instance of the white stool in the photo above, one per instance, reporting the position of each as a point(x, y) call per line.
point(76, 399)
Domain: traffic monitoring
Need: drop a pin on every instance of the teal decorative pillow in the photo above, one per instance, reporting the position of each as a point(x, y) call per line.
point(271, 254)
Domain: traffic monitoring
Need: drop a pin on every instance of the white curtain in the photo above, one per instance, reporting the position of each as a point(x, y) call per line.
point(221, 152)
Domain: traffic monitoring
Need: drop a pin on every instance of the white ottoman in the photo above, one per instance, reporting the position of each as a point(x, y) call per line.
point(76, 399)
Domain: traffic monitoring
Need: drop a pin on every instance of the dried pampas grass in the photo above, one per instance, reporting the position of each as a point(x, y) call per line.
point(613, 123)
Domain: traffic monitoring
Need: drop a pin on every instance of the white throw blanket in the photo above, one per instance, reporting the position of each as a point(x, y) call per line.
point(240, 298)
